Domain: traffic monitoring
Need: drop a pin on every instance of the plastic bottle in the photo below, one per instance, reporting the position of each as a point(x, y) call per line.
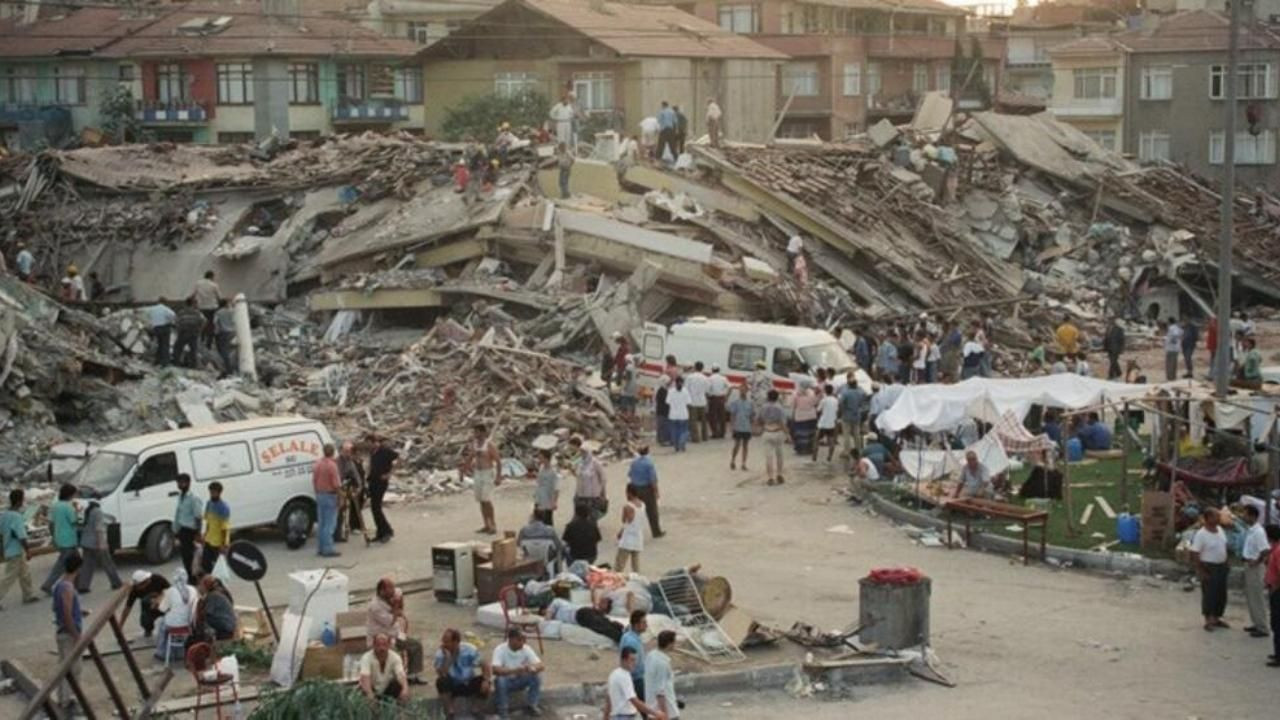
point(1128, 528)
point(328, 637)
point(1075, 450)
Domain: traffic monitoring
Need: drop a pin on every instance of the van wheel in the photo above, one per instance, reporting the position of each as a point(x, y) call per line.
point(297, 517)
point(159, 544)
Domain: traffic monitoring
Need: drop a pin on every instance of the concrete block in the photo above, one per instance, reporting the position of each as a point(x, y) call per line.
point(587, 177)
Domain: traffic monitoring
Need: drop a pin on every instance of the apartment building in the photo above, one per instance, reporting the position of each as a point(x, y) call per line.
point(206, 72)
point(1030, 31)
point(1159, 93)
point(854, 62)
point(422, 21)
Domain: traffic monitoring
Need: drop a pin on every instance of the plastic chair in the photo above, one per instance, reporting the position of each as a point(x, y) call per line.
point(516, 613)
point(175, 638)
point(200, 660)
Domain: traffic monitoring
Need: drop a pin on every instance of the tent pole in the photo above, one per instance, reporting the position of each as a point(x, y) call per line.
point(1066, 484)
point(1124, 460)
point(1273, 467)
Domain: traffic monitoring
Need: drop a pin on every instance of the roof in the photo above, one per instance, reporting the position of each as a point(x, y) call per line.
point(931, 7)
point(82, 32)
point(1193, 31)
point(626, 29)
point(755, 329)
point(252, 32)
point(140, 443)
point(1088, 45)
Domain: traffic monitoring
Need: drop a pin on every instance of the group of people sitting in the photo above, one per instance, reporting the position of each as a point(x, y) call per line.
point(200, 613)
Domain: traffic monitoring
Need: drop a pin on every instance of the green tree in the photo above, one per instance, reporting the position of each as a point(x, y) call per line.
point(119, 117)
point(480, 115)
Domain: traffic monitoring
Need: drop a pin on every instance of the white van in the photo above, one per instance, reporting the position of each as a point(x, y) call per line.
point(788, 352)
point(264, 466)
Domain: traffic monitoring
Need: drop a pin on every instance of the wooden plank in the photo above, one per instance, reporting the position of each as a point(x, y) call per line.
point(1105, 506)
point(1088, 513)
point(451, 252)
point(22, 679)
point(114, 692)
point(156, 693)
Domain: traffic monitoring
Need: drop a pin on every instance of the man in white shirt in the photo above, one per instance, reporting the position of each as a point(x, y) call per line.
point(620, 701)
point(975, 479)
point(863, 468)
point(659, 679)
point(1254, 553)
point(382, 674)
point(828, 414)
point(717, 401)
point(161, 318)
point(794, 246)
point(714, 115)
point(516, 667)
point(1209, 554)
point(678, 414)
point(697, 383)
point(1172, 348)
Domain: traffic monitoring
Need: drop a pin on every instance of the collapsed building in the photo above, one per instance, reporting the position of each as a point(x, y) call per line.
point(386, 300)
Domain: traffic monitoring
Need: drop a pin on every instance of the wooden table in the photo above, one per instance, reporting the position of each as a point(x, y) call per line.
point(990, 508)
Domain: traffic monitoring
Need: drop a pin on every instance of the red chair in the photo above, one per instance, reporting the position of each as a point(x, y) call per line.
point(516, 613)
point(200, 661)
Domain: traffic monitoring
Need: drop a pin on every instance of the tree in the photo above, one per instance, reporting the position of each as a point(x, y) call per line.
point(119, 119)
point(479, 116)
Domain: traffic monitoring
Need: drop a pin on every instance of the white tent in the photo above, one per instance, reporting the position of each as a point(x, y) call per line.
point(939, 408)
point(926, 465)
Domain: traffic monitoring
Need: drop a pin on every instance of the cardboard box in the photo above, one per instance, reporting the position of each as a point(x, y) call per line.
point(323, 662)
point(1157, 518)
point(505, 553)
point(351, 631)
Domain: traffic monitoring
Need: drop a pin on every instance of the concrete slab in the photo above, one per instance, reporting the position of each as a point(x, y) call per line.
point(655, 179)
point(380, 299)
point(448, 253)
point(933, 113)
point(587, 177)
point(882, 133)
point(647, 240)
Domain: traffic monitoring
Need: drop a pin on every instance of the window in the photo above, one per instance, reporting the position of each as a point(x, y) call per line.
point(785, 362)
point(1251, 149)
point(236, 138)
point(1094, 83)
point(171, 83)
point(1157, 82)
point(220, 461)
point(126, 73)
point(989, 77)
point(351, 82)
point(304, 83)
point(800, 78)
point(852, 79)
point(235, 84)
point(510, 84)
point(810, 19)
point(873, 78)
point(409, 84)
point(1104, 138)
point(920, 78)
point(653, 346)
point(740, 18)
point(745, 357)
point(594, 90)
point(155, 470)
point(942, 79)
point(1153, 146)
point(68, 85)
point(19, 85)
point(1253, 80)
point(419, 32)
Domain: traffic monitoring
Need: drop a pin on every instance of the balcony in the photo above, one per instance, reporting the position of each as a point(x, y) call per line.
point(1088, 107)
point(369, 111)
point(172, 113)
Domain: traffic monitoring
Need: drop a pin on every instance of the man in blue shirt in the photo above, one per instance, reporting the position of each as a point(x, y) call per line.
point(161, 318)
point(667, 122)
point(643, 476)
point(13, 541)
point(1094, 435)
point(26, 263)
point(634, 638)
point(69, 621)
point(460, 670)
point(852, 401)
point(66, 537)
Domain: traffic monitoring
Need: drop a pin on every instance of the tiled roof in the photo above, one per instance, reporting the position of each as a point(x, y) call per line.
point(1194, 31)
point(1088, 45)
point(83, 32)
point(627, 29)
point(911, 6)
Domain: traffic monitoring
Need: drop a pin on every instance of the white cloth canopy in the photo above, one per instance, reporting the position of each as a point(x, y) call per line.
point(939, 408)
point(926, 465)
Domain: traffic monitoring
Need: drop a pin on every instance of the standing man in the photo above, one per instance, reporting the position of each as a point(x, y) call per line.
point(759, 384)
point(208, 297)
point(327, 483)
point(631, 534)
point(682, 130)
point(633, 639)
point(1254, 553)
point(516, 667)
point(621, 701)
point(1209, 555)
point(546, 494)
point(887, 356)
point(564, 162)
point(217, 529)
point(697, 383)
point(852, 401)
point(582, 535)
point(224, 333)
point(592, 490)
point(62, 519)
point(828, 412)
point(1068, 336)
point(717, 400)
point(460, 671)
point(95, 550)
point(659, 679)
point(643, 477)
point(353, 487)
point(485, 467)
point(186, 523)
point(1172, 346)
point(678, 413)
point(26, 263)
point(13, 539)
point(1273, 592)
point(561, 117)
point(1190, 338)
point(741, 418)
point(714, 116)
point(190, 325)
point(773, 420)
point(795, 246)
point(380, 463)
point(1113, 344)
point(68, 620)
point(667, 123)
point(1211, 342)
point(161, 317)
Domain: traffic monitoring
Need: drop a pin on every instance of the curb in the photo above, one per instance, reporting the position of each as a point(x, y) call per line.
point(1104, 562)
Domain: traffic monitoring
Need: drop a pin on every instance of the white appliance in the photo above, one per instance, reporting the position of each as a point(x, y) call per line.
point(453, 571)
point(329, 598)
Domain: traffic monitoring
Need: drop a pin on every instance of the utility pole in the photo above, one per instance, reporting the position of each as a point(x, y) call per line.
point(1222, 357)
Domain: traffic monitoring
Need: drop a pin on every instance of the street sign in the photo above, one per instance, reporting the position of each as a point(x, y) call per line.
point(247, 561)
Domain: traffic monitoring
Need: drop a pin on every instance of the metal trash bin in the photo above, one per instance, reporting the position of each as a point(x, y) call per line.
point(894, 614)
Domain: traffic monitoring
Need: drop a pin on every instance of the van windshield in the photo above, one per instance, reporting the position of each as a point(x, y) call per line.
point(827, 355)
point(104, 471)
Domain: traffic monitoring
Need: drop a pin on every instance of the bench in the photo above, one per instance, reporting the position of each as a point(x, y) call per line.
point(979, 507)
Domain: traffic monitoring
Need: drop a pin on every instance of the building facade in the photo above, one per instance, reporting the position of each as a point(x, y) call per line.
point(1089, 86)
point(618, 78)
point(1029, 32)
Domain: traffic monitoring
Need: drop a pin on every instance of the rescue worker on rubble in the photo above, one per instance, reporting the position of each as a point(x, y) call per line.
point(207, 295)
point(190, 324)
point(73, 285)
point(161, 317)
point(224, 333)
